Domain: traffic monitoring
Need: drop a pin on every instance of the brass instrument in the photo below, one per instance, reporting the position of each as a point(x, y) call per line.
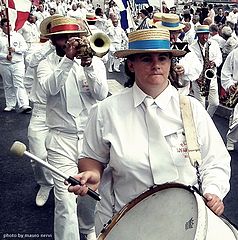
point(174, 78)
point(207, 74)
point(96, 44)
point(232, 98)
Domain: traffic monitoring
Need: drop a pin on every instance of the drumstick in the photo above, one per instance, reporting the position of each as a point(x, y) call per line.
point(19, 149)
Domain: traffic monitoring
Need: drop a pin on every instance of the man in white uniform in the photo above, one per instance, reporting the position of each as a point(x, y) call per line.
point(229, 80)
point(37, 129)
point(31, 35)
point(186, 73)
point(12, 69)
point(119, 41)
point(211, 60)
point(72, 86)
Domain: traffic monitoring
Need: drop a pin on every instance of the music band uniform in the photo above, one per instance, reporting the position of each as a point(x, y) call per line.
point(215, 56)
point(229, 77)
point(37, 129)
point(65, 136)
point(13, 71)
point(107, 146)
point(120, 128)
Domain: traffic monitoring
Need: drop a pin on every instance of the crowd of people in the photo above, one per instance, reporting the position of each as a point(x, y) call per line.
point(50, 69)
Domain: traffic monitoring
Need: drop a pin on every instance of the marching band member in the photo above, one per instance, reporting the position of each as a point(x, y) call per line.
point(31, 35)
point(209, 54)
point(37, 129)
point(119, 41)
point(72, 86)
point(185, 73)
point(229, 79)
point(119, 133)
point(12, 69)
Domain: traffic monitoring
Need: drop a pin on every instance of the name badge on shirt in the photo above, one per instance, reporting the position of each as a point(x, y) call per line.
point(179, 147)
point(85, 87)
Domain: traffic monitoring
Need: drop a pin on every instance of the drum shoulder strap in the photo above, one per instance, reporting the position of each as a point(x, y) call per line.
point(190, 131)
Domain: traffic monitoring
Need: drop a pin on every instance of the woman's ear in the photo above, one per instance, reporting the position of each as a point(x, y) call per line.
point(130, 65)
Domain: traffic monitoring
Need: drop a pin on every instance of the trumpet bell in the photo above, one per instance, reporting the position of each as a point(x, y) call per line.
point(100, 44)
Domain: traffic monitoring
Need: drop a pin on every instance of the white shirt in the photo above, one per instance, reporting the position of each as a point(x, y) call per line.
point(215, 54)
point(232, 17)
point(229, 73)
point(220, 40)
point(30, 33)
point(92, 83)
point(119, 39)
point(40, 17)
point(17, 41)
point(211, 14)
point(116, 134)
point(191, 71)
point(230, 44)
point(37, 95)
point(189, 36)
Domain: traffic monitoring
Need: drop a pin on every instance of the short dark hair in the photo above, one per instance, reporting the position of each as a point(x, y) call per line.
point(213, 28)
point(144, 11)
point(3, 21)
point(98, 11)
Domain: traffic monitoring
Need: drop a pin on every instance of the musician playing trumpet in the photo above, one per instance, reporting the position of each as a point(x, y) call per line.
point(209, 54)
point(229, 79)
point(73, 79)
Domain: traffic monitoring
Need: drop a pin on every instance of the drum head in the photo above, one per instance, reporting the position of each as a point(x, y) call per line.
point(161, 213)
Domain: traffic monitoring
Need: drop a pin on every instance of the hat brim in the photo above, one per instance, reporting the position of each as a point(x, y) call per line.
point(64, 32)
point(179, 27)
point(202, 32)
point(91, 20)
point(126, 53)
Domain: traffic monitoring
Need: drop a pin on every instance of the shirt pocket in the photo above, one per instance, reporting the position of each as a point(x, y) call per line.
point(179, 148)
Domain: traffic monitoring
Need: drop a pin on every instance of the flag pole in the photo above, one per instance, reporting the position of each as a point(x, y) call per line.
point(8, 26)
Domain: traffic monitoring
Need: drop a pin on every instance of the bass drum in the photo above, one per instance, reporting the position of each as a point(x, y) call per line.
point(168, 212)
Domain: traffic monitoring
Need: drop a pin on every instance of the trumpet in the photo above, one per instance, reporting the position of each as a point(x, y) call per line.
point(99, 43)
point(96, 44)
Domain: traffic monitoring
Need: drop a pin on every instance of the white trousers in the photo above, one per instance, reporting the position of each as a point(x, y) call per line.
point(15, 92)
point(112, 60)
point(37, 133)
point(213, 97)
point(63, 152)
point(232, 134)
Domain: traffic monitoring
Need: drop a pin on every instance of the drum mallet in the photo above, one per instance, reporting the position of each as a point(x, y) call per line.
point(19, 149)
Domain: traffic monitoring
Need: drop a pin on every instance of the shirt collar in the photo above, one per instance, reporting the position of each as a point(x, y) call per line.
point(162, 100)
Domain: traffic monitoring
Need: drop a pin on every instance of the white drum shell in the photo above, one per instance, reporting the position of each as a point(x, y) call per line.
point(168, 214)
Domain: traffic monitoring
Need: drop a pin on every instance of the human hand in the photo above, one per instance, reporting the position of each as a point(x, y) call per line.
point(9, 57)
point(179, 69)
point(232, 88)
point(87, 179)
point(71, 47)
point(212, 64)
point(214, 203)
point(11, 49)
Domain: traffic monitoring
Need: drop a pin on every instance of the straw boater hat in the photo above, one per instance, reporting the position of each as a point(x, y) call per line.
point(61, 25)
point(153, 40)
point(91, 17)
point(202, 29)
point(171, 22)
point(157, 17)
